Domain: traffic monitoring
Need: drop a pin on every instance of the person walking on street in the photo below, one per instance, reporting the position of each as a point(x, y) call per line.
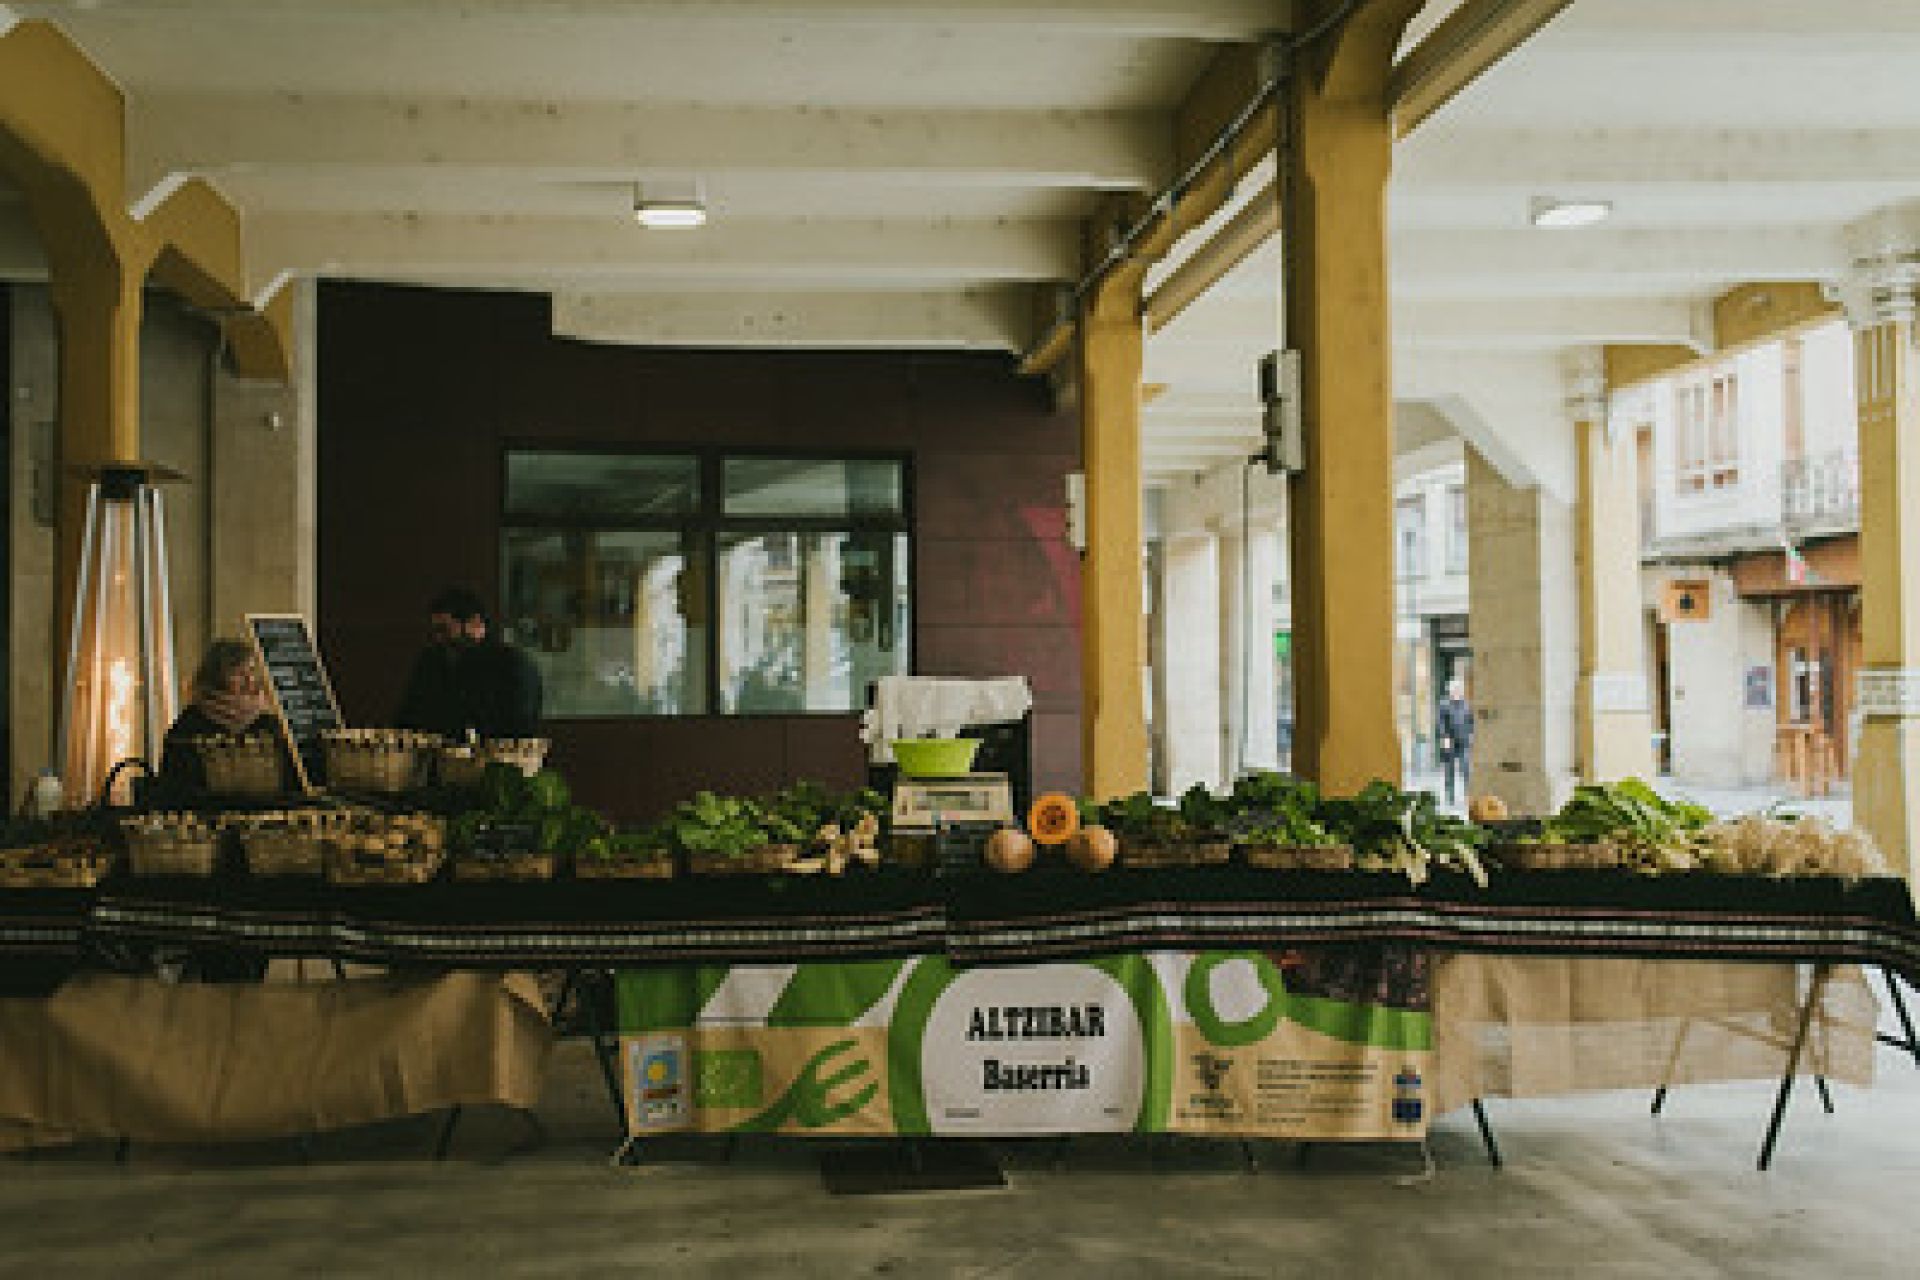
point(1455, 732)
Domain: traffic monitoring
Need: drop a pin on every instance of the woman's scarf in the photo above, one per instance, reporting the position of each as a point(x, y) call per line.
point(233, 712)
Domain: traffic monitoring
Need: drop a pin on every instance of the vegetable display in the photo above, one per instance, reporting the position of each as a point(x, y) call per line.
point(1653, 833)
point(1405, 831)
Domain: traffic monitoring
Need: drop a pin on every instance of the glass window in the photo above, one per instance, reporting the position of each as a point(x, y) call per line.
point(1457, 528)
point(814, 488)
point(1410, 521)
point(602, 486)
point(808, 620)
point(613, 619)
point(638, 593)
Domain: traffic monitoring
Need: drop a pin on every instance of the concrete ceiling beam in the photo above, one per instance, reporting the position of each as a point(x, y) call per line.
point(1128, 19)
point(518, 140)
point(1594, 262)
point(1726, 22)
point(1458, 51)
point(1245, 322)
point(1605, 160)
point(998, 319)
point(748, 253)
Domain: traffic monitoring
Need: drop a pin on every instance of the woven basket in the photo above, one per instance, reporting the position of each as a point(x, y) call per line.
point(54, 866)
point(1333, 857)
point(350, 864)
point(1558, 857)
point(459, 767)
point(512, 866)
point(623, 868)
point(768, 858)
point(384, 770)
point(528, 755)
point(244, 767)
point(172, 851)
point(283, 851)
point(1134, 853)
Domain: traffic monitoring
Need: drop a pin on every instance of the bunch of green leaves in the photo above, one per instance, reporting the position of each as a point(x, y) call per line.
point(729, 826)
point(808, 807)
point(1405, 831)
point(639, 845)
point(1138, 817)
point(1272, 810)
point(1656, 834)
point(1629, 813)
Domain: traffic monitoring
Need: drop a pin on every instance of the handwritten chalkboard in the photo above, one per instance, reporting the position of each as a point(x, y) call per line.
point(302, 695)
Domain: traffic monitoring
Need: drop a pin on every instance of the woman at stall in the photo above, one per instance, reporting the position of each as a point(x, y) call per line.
point(228, 697)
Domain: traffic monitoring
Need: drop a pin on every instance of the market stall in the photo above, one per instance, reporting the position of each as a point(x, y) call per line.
point(746, 930)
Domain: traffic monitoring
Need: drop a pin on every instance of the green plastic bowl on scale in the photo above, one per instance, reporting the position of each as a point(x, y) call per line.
point(935, 757)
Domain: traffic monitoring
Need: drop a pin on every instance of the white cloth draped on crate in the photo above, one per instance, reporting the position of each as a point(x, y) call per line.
point(939, 707)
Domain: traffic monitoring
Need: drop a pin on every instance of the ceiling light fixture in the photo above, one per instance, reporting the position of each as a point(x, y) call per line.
point(680, 209)
point(1560, 215)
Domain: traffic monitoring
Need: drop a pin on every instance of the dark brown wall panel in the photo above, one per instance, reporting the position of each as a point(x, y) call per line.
point(421, 390)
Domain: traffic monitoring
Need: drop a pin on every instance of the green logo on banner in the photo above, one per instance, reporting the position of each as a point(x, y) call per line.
point(727, 1078)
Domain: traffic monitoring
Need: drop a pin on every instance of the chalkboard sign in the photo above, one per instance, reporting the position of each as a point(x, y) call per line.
point(302, 696)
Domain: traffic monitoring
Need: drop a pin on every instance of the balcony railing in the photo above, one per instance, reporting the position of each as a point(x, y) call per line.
point(1821, 491)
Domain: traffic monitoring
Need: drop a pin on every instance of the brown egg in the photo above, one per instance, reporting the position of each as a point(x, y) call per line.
point(1092, 849)
point(1008, 851)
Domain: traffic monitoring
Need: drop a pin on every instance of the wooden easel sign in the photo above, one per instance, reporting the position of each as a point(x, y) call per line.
point(303, 697)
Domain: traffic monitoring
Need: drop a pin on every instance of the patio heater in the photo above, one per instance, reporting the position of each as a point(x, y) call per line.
point(119, 696)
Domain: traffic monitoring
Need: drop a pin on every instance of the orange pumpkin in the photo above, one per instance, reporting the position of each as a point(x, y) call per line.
point(1008, 851)
point(1092, 849)
point(1053, 819)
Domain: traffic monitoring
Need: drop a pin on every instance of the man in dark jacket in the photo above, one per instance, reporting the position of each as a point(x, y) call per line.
point(1454, 731)
point(467, 679)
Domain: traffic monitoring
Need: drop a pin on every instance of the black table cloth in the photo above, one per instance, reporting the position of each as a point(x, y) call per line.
point(1702, 917)
point(982, 919)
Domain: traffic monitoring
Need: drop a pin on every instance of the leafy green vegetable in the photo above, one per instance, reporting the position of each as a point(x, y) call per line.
point(1657, 833)
point(1397, 830)
point(1273, 810)
point(501, 788)
point(547, 792)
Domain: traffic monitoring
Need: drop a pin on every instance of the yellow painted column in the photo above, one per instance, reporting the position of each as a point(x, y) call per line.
point(1886, 780)
point(1614, 710)
point(97, 301)
point(1111, 345)
point(1341, 507)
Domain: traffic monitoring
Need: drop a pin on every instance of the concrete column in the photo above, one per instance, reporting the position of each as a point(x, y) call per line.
point(260, 487)
point(820, 587)
point(1189, 666)
point(33, 478)
point(1340, 509)
point(1886, 780)
point(1249, 567)
point(1112, 622)
point(1615, 721)
point(1524, 620)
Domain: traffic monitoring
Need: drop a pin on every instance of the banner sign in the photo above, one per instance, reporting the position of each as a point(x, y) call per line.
point(1324, 1044)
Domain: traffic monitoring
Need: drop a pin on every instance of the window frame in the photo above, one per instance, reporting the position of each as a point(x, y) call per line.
point(702, 530)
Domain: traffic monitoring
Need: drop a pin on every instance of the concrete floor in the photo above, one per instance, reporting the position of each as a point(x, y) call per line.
point(1594, 1186)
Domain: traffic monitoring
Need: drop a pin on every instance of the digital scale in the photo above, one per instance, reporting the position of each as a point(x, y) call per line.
point(943, 823)
point(921, 803)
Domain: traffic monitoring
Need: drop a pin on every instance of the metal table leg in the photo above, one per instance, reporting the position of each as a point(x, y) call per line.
point(1817, 988)
point(445, 1141)
point(1911, 1043)
point(1486, 1134)
point(606, 1052)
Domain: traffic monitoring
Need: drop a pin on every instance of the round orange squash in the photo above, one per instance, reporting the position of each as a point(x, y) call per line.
point(1053, 819)
point(1092, 849)
point(1008, 851)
